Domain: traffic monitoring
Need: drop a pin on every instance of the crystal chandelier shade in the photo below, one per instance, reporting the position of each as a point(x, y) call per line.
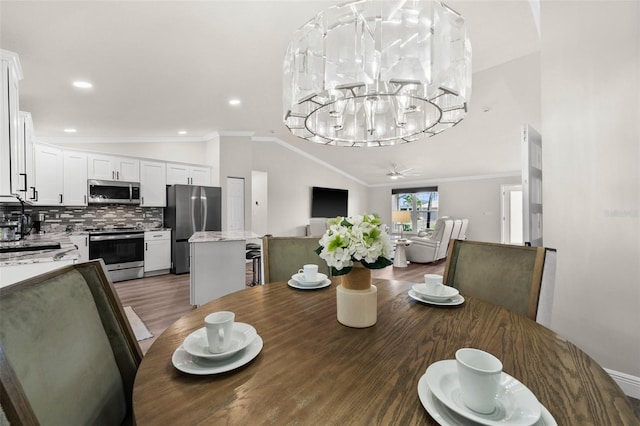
point(377, 73)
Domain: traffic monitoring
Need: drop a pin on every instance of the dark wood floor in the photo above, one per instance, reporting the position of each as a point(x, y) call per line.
point(161, 300)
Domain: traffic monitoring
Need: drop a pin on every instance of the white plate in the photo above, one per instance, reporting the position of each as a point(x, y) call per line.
point(194, 365)
point(196, 343)
point(444, 416)
point(442, 294)
point(456, 300)
point(323, 284)
point(299, 278)
point(516, 405)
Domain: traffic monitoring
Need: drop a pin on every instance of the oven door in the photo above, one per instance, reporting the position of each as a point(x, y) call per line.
point(117, 249)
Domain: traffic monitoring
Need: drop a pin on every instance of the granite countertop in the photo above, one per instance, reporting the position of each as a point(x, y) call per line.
point(212, 236)
point(66, 252)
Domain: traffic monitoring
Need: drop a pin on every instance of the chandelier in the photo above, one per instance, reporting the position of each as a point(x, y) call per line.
point(377, 73)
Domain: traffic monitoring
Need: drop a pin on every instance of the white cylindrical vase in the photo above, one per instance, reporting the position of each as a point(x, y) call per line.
point(357, 308)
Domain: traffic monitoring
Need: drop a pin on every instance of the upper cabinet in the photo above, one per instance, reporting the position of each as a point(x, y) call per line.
point(75, 178)
point(153, 183)
point(49, 175)
point(108, 167)
point(26, 135)
point(186, 174)
point(12, 150)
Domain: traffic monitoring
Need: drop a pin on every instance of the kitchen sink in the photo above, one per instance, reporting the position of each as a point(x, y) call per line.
point(30, 247)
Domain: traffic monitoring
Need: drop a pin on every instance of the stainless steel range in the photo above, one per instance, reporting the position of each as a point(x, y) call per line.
point(121, 249)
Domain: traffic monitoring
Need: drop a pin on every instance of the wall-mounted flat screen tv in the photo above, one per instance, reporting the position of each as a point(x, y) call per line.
point(329, 202)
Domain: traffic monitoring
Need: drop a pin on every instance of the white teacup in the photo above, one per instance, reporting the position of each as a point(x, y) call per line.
point(219, 327)
point(479, 374)
point(432, 281)
point(310, 272)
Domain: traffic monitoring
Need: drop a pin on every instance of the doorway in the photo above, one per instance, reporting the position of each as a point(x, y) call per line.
point(235, 204)
point(512, 215)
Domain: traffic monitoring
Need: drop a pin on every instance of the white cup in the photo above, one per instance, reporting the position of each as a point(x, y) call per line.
point(310, 272)
point(479, 374)
point(432, 281)
point(219, 326)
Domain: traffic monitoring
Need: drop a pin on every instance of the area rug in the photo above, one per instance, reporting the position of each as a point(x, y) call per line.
point(139, 329)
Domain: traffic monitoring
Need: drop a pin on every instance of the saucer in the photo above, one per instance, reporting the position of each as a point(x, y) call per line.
point(323, 284)
point(442, 293)
point(445, 416)
point(455, 300)
point(196, 343)
point(299, 278)
point(200, 366)
point(516, 405)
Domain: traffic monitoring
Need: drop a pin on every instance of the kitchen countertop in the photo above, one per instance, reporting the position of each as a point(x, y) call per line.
point(213, 236)
point(66, 252)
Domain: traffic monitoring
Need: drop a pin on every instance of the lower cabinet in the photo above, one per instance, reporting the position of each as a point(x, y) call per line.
point(82, 243)
point(157, 252)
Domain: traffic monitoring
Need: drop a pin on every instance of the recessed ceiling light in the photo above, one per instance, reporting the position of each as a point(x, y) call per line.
point(69, 130)
point(234, 102)
point(182, 132)
point(83, 84)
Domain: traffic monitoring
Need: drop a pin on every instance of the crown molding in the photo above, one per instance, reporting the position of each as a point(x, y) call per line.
point(435, 181)
point(309, 156)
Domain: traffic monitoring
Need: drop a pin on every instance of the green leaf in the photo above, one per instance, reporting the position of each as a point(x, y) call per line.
point(337, 272)
point(381, 262)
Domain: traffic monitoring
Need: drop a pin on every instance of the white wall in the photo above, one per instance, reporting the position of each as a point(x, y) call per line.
point(237, 155)
point(476, 199)
point(591, 163)
point(290, 179)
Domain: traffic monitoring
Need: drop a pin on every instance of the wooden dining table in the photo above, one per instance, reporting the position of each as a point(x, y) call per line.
point(313, 370)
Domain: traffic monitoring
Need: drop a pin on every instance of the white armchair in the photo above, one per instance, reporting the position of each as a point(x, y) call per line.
point(434, 246)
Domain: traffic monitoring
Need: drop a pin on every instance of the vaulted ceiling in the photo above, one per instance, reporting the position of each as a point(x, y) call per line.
point(163, 66)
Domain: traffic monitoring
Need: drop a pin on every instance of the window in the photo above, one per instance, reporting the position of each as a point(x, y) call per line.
point(421, 202)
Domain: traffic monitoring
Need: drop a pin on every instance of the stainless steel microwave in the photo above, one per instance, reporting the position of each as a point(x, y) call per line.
point(113, 192)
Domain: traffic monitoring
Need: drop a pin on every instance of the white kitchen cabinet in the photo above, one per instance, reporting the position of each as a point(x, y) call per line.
point(186, 174)
point(49, 166)
point(109, 167)
point(153, 183)
point(26, 135)
point(82, 243)
point(12, 179)
point(157, 252)
point(74, 178)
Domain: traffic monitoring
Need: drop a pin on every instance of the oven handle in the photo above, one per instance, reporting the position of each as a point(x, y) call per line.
point(115, 237)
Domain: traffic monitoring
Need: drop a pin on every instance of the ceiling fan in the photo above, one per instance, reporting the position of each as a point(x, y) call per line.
point(399, 174)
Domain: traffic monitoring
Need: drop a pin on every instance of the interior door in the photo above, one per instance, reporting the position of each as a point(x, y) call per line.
point(532, 185)
point(512, 215)
point(235, 204)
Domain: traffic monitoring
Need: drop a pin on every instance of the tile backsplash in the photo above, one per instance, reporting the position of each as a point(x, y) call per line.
point(59, 219)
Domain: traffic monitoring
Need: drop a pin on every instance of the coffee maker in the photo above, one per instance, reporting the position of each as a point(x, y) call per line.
point(37, 219)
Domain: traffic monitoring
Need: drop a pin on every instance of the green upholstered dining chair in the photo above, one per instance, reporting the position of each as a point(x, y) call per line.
point(68, 355)
point(507, 275)
point(284, 256)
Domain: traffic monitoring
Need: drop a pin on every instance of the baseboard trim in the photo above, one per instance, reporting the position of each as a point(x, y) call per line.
point(630, 384)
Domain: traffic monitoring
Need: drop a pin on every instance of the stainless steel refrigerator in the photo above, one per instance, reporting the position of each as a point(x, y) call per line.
point(190, 209)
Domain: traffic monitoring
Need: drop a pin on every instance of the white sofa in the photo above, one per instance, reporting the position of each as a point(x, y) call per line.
point(433, 246)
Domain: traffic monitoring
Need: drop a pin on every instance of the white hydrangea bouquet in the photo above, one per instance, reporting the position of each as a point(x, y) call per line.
point(355, 239)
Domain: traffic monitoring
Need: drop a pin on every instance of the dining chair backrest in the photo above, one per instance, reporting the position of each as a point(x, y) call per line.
point(67, 352)
point(284, 256)
point(507, 275)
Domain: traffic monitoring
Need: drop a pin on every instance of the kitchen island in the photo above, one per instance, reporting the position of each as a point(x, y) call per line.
point(217, 264)
point(24, 259)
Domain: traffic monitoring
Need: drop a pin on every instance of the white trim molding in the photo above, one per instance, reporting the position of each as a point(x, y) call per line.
point(629, 384)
